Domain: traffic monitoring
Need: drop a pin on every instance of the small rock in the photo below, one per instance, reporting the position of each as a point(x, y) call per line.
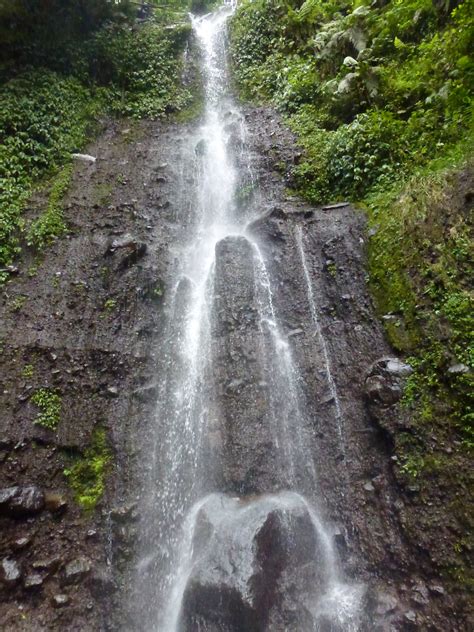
point(33, 581)
point(340, 541)
point(101, 581)
point(84, 158)
point(410, 616)
point(112, 391)
point(386, 604)
point(396, 367)
point(76, 570)
point(234, 385)
point(146, 393)
point(6, 495)
point(10, 572)
point(201, 147)
point(20, 543)
point(378, 482)
point(60, 600)
point(49, 565)
point(458, 369)
point(350, 62)
point(124, 513)
point(420, 594)
point(134, 249)
point(436, 589)
point(295, 332)
point(55, 502)
point(369, 487)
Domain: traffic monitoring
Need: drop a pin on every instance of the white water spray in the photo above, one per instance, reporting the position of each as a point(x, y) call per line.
point(182, 484)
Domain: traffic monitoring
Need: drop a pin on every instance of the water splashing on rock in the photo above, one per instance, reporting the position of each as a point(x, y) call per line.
point(233, 537)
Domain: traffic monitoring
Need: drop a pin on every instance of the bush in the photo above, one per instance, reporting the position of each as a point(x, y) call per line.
point(43, 118)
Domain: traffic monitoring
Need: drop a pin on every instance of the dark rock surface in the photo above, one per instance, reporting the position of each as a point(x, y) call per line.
point(92, 328)
point(85, 331)
point(248, 461)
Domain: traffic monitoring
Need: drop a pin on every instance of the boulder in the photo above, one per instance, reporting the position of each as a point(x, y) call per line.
point(18, 502)
point(385, 381)
point(255, 563)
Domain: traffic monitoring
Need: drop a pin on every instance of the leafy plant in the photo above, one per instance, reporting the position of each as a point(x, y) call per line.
point(110, 304)
point(27, 371)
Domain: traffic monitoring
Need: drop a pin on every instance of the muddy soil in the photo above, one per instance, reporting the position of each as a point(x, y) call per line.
point(86, 318)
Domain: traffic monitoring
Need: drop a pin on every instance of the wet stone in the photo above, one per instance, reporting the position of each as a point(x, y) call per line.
point(410, 616)
point(76, 570)
point(458, 369)
point(60, 600)
point(33, 581)
point(10, 572)
point(49, 565)
point(20, 543)
point(19, 502)
point(125, 513)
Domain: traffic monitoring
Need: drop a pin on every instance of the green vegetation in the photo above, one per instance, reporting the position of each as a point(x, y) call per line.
point(51, 224)
point(87, 473)
point(18, 302)
point(110, 304)
point(49, 404)
point(61, 66)
point(373, 89)
point(380, 97)
point(27, 371)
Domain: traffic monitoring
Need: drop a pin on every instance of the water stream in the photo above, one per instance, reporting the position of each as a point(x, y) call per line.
point(225, 550)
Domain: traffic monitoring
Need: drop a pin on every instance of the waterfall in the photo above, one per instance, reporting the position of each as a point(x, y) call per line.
point(233, 536)
point(321, 338)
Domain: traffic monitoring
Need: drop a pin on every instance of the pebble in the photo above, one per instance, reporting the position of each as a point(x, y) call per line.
point(60, 600)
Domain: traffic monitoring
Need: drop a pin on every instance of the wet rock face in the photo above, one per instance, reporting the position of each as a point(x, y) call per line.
point(259, 564)
point(247, 451)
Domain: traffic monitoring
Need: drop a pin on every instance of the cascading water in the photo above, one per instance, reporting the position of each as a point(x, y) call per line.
point(227, 547)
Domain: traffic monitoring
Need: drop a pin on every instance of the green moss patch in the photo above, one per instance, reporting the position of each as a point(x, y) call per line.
point(86, 474)
point(49, 404)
